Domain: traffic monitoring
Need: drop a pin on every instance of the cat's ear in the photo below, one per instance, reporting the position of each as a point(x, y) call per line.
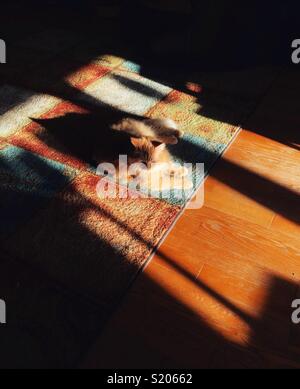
point(159, 147)
point(135, 141)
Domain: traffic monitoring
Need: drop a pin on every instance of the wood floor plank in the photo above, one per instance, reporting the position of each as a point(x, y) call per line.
point(266, 158)
point(286, 226)
point(221, 196)
point(224, 240)
point(270, 187)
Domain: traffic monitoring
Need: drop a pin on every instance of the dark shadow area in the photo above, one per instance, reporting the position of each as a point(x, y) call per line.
point(55, 315)
point(219, 47)
point(190, 41)
point(138, 87)
point(82, 136)
point(48, 285)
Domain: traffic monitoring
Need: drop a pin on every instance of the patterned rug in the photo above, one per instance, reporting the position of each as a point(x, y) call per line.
point(68, 256)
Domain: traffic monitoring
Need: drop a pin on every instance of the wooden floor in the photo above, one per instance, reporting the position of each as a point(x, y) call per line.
point(219, 291)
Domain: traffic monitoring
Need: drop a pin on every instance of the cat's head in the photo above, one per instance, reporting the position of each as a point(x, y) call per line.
point(146, 151)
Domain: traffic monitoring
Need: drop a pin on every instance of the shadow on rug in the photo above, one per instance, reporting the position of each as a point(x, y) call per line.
point(68, 256)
